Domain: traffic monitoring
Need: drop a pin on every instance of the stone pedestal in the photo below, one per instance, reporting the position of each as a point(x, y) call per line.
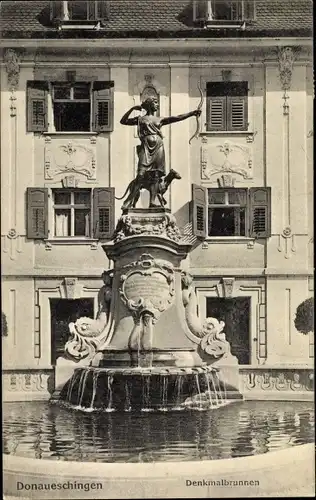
point(148, 326)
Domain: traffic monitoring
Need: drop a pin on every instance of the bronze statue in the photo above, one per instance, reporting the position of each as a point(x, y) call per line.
point(151, 170)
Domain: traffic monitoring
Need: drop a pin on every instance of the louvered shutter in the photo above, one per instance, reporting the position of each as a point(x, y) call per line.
point(260, 212)
point(237, 112)
point(37, 213)
point(103, 212)
point(37, 92)
point(198, 211)
point(216, 116)
point(103, 106)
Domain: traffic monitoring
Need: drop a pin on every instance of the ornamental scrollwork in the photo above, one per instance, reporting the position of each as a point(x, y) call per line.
point(12, 64)
point(165, 226)
point(86, 334)
point(286, 58)
point(208, 335)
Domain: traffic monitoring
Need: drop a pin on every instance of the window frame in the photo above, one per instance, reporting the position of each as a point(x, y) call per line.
point(210, 11)
point(61, 12)
point(226, 204)
point(72, 207)
point(52, 100)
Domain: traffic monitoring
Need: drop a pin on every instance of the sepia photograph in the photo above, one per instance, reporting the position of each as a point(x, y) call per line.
point(157, 248)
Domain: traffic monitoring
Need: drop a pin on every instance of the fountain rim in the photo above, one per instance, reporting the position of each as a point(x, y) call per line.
point(125, 470)
point(154, 370)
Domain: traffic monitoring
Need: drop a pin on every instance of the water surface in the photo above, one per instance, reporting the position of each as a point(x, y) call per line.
point(48, 431)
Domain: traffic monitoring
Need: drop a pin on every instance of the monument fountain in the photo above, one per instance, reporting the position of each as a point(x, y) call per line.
point(148, 349)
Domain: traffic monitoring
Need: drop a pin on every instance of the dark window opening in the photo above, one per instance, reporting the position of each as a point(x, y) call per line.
point(64, 311)
point(227, 212)
point(72, 117)
point(78, 10)
point(235, 312)
point(72, 107)
point(226, 221)
point(227, 10)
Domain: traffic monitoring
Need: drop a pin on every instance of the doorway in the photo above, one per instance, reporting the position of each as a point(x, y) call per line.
point(235, 312)
point(63, 312)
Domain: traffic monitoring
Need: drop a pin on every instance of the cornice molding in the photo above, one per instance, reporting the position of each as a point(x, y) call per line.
point(179, 44)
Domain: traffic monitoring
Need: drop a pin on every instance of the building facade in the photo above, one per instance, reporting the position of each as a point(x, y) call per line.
point(70, 70)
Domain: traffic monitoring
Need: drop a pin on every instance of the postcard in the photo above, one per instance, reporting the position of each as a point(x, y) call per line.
point(157, 249)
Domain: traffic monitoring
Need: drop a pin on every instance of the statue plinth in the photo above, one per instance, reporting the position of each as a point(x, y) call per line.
point(148, 348)
point(147, 311)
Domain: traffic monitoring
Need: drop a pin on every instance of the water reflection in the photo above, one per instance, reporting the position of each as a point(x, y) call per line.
point(41, 430)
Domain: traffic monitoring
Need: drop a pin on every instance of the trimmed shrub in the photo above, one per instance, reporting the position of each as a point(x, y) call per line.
point(304, 319)
point(4, 325)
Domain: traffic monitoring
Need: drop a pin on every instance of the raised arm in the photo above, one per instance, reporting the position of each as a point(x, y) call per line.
point(173, 119)
point(125, 120)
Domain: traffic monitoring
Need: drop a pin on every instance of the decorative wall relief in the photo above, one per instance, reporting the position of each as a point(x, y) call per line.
point(12, 65)
point(226, 180)
point(25, 382)
point(286, 58)
point(150, 90)
point(70, 289)
point(70, 156)
point(69, 181)
point(288, 238)
point(228, 287)
point(149, 86)
point(278, 380)
point(226, 157)
point(11, 243)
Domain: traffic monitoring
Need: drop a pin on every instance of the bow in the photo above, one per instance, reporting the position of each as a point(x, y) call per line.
point(198, 124)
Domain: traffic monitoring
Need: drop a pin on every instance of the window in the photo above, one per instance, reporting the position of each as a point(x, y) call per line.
point(223, 10)
point(227, 106)
point(77, 213)
point(71, 106)
point(77, 106)
point(72, 212)
point(226, 212)
point(77, 11)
